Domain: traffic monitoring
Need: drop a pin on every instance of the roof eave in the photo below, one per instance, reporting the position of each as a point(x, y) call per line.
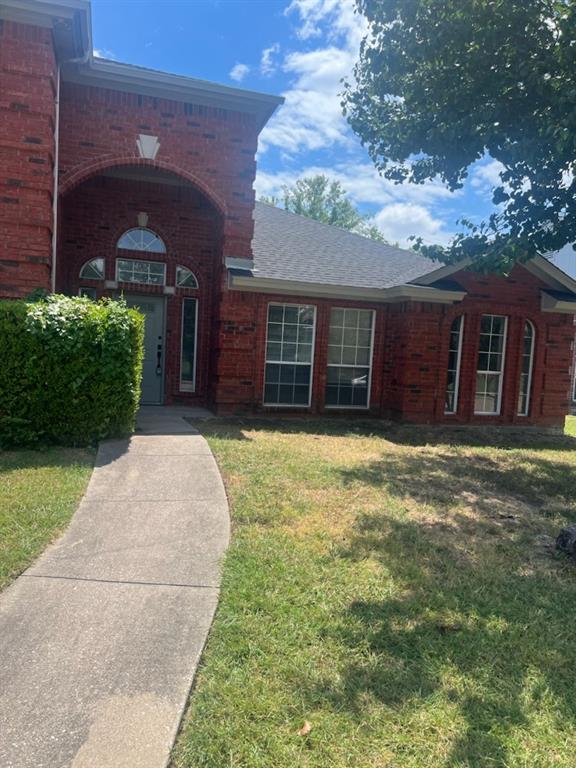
point(408, 292)
point(539, 266)
point(125, 77)
point(69, 20)
point(549, 303)
point(549, 273)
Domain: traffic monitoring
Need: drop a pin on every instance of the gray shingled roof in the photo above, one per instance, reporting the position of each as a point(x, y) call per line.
point(291, 247)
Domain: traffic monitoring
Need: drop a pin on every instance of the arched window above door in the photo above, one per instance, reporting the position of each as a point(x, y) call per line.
point(185, 278)
point(141, 239)
point(93, 270)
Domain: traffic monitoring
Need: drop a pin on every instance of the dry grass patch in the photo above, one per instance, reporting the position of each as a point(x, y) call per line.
point(396, 589)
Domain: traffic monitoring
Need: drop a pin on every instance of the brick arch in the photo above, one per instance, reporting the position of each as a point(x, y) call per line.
point(93, 168)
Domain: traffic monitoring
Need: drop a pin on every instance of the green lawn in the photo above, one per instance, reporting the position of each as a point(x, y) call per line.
point(39, 491)
point(398, 591)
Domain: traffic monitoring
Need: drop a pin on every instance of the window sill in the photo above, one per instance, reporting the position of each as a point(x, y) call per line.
point(286, 405)
point(346, 407)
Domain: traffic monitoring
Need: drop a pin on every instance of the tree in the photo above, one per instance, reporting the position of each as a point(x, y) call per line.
point(319, 198)
point(440, 84)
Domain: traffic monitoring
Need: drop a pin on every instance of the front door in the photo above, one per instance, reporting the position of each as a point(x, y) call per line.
point(152, 307)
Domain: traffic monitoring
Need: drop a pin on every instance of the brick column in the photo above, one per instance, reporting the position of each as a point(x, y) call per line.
point(27, 115)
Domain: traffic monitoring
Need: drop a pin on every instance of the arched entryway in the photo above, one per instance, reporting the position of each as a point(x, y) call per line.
point(151, 236)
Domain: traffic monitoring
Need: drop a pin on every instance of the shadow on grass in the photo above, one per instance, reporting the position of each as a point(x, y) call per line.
point(401, 434)
point(488, 640)
point(444, 480)
point(481, 618)
point(51, 457)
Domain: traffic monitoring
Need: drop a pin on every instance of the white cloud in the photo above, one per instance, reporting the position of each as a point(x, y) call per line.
point(311, 117)
point(339, 15)
point(311, 121)
point(401, 220)
point(362, 183)
point(401, 209)
point(103, 53)
point(239, 72)
point(565, 259)
point(485, 175)
point(267, 63)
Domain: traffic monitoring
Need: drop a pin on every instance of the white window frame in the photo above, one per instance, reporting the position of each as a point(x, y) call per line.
point(275, 362)
point(458, 364)
point(189, 287)
point(369, 366)
point(188, 386)
point(134, 282)
point(86, 263)
point(138, 248)
point(499, 373)
point(526, 411)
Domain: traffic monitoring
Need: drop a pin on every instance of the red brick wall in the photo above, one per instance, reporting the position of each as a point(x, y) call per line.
point(411, 353)
point(27, 110)
point(517, 297)
point(95, 214)
point(242, 331)
point(214, 147)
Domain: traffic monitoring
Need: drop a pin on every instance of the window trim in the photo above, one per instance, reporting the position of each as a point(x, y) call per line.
point(188, 287)
point(133, 282)
point(370, 366)
point(454, 410)
point(498, 410)
point(86, 263)
point(140, 250)
point(275, 362)
point(526, 411)
point(185, 386)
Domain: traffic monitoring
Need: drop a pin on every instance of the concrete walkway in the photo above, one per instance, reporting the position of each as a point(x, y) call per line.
point(100, 639)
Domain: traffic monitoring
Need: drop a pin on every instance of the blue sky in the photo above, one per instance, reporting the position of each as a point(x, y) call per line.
point(300, 49)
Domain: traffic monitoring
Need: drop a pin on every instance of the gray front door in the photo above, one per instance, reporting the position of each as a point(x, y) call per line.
point(152, 307)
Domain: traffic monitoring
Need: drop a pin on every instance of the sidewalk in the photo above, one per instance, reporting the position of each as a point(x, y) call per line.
point(100, 639)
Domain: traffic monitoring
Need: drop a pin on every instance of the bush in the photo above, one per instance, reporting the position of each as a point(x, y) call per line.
point(70, 370)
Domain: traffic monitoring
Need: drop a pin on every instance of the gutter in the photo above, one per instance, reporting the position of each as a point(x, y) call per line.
point(247, 282)
point(56, 179)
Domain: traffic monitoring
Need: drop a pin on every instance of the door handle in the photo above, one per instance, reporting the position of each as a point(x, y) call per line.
point(159, 360)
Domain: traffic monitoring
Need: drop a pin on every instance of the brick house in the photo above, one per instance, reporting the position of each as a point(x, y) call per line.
point(118, 180)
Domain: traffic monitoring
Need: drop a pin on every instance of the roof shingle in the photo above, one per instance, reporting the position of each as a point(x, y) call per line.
point(287, 246)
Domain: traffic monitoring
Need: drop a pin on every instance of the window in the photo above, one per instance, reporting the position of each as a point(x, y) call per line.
point(93, 270)
point(135, 271)
point(185, 278)
point(491, 354)
point(141, 239)
point(289, 352)
point(349, 358)
point(526, 369)
point(188, 345)
point(87, 293)
point(454, 359)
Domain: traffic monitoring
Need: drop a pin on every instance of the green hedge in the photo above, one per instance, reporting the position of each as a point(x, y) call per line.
point(70, 370)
